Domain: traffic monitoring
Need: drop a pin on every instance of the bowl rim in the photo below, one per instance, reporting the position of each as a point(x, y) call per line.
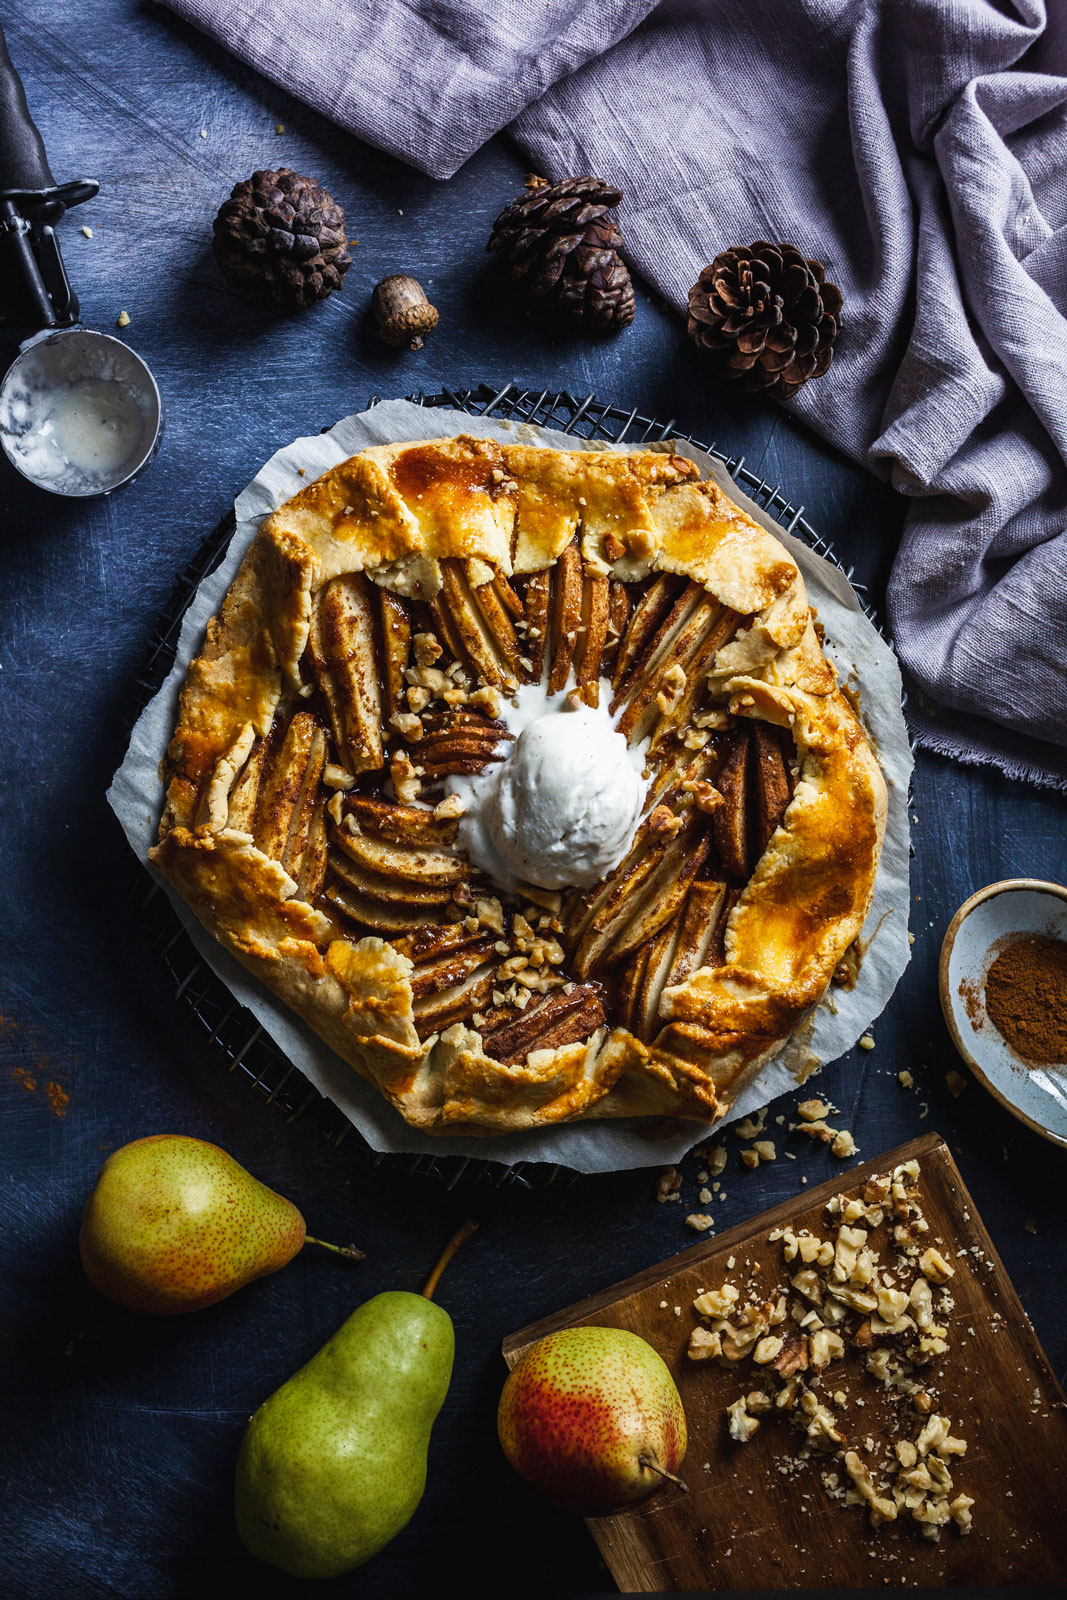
point(1005, 885)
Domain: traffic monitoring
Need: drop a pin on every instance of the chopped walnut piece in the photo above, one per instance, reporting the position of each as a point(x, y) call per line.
point(826, 1346)
point(843, 1145)
point(706, 797)
point(960, 1512)
point(704, 1344)
point(405, 778)
point(717, 1302)
point(933, 1265)
point(767, 1349)
point(741, 1425)
point(490, 914)
point(673, 688)
point(450, 806)
point(699, 1221)
point(407, 724)
point(669, 1184)
point(817, 1130)
point(793, 1356)
point(663, 823)
point(335, 777)
point(882, 1510)
point(814, 1110)
point(427, 649)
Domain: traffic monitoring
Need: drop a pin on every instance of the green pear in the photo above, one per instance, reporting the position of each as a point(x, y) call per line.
point(591, 1417)
point(174, 1224)
point(333, 1465)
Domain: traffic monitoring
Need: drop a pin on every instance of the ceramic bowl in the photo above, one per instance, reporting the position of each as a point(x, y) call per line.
point(977, 933)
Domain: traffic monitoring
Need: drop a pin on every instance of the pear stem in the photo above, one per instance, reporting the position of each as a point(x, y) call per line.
point(461, 1234)
point(350, 1250)
point(654, 1466)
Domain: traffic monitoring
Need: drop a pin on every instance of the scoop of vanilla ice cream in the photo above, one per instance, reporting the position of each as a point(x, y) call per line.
point(564, 805)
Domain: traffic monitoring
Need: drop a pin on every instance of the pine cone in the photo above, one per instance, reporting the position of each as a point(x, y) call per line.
point(561, 242)
point(280, 240)
point(767, 317)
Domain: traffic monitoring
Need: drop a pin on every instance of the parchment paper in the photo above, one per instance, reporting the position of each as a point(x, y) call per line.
point(863, 659)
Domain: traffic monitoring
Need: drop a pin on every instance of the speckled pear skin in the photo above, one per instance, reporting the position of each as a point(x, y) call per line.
point(174, 1224)
point(581, 1408)
point(333, 1465)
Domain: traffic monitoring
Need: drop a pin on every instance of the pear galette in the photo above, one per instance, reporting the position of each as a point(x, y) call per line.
point(521, 775)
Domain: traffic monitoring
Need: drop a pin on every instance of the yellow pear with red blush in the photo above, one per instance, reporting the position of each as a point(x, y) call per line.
point(592, 1418)
point(174, 1224)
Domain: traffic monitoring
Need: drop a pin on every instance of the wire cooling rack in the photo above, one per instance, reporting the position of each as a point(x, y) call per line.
point(240, 1040)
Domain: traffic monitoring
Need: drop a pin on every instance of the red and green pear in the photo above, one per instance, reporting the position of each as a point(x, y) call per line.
point(592, 1418)
point(174, 1224)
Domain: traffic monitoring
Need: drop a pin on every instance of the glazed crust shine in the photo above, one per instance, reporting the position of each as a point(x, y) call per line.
point(409, 518)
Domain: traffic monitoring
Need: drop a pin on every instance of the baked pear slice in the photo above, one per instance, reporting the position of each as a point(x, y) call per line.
point(342, 643)
point(400, 861)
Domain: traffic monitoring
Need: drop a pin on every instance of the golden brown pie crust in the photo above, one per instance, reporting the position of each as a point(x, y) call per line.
point(395, 513)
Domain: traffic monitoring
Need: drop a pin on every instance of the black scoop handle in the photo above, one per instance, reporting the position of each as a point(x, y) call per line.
point(23, 163)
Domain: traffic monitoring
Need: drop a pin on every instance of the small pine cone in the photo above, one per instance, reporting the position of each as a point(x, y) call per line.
point(280, 240)
point(766, 316)
point(561, 242)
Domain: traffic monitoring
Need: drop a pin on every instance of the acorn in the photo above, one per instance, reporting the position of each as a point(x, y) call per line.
point(402, 311)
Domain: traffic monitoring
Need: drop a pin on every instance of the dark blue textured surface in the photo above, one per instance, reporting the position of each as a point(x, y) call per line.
point(121, 1431)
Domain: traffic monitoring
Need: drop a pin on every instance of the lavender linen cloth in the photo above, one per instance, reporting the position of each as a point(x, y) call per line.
point(917, 147)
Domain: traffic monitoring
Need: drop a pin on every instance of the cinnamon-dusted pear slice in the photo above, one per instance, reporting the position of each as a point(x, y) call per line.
point(666, 891)
point(289, 789)
point(508, 598)
point(444, 625)
point(454, 967)
point(589, 912)
point(565, 616)
point(463, 717)
point(342, 645)
point(479, 647)
point(537, 598)
point(431, 945)
point(693, 615)
point(619, 609)
point(697, 664)
point(660, 955)
point(411, 863)
point(498, 622)
point(696, 929)
point(312, 872)
point(435, 1012)
point(641, 903)
point(409, 825)
point(376, 914)
point(729, 824)
point(649, 612)
point(558, 1019)
point(394, 625)
point(590, 656)
point(245, 792)
point(391, 891)
point(715, 954)
point(309, 805)
point(771, 786)
point(628, 988)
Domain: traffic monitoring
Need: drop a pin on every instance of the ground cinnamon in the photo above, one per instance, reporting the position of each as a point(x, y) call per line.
point(1026, 999)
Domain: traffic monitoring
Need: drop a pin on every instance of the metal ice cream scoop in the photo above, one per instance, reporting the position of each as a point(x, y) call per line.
point(80, 413)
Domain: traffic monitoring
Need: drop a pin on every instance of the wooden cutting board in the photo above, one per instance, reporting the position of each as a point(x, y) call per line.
point(746, 1523)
